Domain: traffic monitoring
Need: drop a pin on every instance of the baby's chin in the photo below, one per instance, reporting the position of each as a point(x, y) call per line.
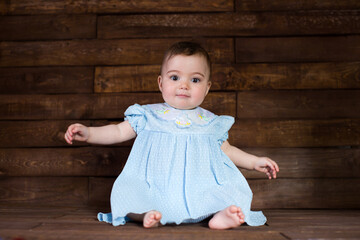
point(182, 107)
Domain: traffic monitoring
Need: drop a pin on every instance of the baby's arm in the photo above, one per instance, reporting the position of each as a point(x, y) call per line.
point(109, 134)
point(249, 161)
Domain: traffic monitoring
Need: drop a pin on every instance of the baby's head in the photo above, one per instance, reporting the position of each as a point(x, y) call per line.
point(187, 49)
point(185, 75)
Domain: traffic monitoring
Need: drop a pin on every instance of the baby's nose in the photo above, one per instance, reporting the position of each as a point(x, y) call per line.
point(184, 85)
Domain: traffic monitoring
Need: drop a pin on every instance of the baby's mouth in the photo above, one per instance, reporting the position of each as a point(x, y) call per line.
point(182, 95)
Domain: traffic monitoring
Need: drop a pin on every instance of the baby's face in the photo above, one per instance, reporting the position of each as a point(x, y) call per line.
point(184, 81)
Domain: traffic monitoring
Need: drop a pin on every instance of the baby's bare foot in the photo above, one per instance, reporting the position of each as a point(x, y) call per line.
point(152, 219)
point(230, 217)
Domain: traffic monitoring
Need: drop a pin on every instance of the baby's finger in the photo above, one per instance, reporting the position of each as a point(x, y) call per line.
point(269, 172)
point(77, 130)
point(266, 170)
point(74, 129)
point(273, 163)
point(68, 139)
point(69, 134)
point(269, 175)
point(270, 165)
point(273, 173)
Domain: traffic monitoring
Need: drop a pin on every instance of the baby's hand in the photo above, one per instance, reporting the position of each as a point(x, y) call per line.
point(76, 132)
point(267, 166)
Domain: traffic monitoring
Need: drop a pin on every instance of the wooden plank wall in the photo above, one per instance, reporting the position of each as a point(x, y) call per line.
point(288, 70)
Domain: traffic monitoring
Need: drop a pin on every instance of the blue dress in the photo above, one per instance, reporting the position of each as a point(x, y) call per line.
point(176, 167)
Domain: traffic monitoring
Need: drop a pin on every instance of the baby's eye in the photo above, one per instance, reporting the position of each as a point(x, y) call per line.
point(174, 78)
point(195, 80)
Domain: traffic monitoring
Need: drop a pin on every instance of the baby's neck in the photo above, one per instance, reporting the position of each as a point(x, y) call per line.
point(181, 108)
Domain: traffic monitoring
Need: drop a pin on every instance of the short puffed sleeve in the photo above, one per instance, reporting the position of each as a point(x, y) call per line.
point(222, 125)
point(135, 115)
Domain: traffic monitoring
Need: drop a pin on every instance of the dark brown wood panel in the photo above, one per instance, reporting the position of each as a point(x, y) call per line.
point(21, 7)
point(46, 80)
point(244, 133)
point(35, 133)
point(78, 231)
point(298, 49)
point(310, 162)
point(339, 75)
point(102, 52)
point(283, 5)
point(109, 162)
point(142, 78)
point(279, 193)
point(3, 7)
point(315, 224)
point(47, 27)
point(100, 190)
point(47, 162)
point(94, 106)
point(228, 24)
point(295, 133)
point(45, 191)
point(289, 71)
point(306, 193)
point(126, 78)
point(311, 104)
point(81, 223)
point(79, 106)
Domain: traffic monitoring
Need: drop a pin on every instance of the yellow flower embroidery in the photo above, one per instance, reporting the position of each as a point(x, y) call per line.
point(182, 123)
point(163, 111)
point(203, 117)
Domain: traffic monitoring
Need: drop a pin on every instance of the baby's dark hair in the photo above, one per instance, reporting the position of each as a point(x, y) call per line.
point(187, 49)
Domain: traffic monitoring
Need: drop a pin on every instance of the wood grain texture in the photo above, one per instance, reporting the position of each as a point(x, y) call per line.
point(306, 193)
point(244, 133)
point(228, 24)
point(142, 78)
point(310, 162)
point(295, 224)
point(322, 104)
point(138, 78)
point(47, 27)
point(109, 162)
point(289, 71)
point(80, 223)
point(283, 5)
point(94, 106)
point(298, 49)
point(77, 106)
point(58, 80)
point(295, 133)
point(49, 191)
point(279, 193)
point(35, 133)
point(64, 162)
point(21, 7)
point(102, 52)
point(326, 75)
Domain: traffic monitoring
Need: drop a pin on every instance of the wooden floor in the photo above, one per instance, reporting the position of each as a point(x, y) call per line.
point(80, 223)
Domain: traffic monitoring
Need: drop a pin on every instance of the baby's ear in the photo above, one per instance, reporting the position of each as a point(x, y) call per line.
point(160, 82)
point(208, 86)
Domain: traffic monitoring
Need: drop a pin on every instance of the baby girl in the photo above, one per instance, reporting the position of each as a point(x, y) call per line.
point(181, 168)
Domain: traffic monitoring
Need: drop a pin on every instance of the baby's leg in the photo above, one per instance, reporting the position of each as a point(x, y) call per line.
point(230, 217)
point(149, 219)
